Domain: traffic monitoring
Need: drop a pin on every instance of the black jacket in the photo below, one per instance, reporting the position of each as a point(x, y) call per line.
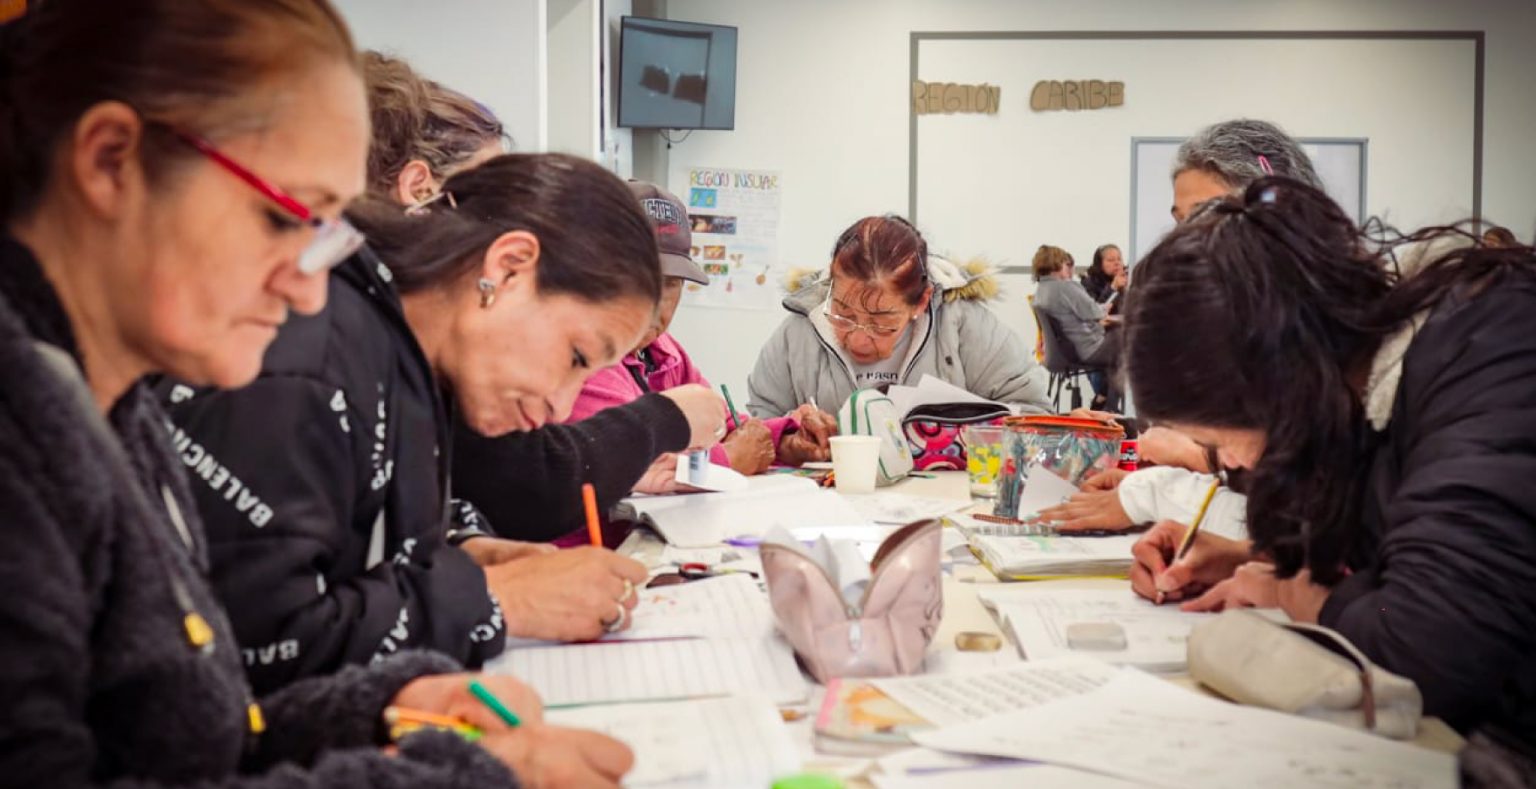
point(101, 685)
point(1101, 289)
point(324, 489)
point(1448, 598)
point(529, 484)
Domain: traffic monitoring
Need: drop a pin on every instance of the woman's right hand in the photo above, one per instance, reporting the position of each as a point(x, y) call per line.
point(1211, 560)
point(749, 448)
point(554, 757)
point(704, 410)
point(566, 596)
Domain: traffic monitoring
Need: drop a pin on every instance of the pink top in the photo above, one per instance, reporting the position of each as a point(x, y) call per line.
point(620, 384)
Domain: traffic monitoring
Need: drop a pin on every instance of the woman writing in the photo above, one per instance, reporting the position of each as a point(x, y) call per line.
point(174, 176)
point(1383, 415)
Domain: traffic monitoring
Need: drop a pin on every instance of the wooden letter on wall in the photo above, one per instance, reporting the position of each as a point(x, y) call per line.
point(1073, 95)
point(929, 98)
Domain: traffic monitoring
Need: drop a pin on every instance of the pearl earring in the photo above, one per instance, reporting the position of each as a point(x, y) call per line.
point(487, 292)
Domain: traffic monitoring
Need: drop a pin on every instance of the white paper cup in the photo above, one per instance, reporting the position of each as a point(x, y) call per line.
point(854, 462)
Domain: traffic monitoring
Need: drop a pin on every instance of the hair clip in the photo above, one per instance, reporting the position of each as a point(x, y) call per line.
point(1264, 165)
point(420, 206)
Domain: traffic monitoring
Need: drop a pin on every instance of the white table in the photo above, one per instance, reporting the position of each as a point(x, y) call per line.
point(964, 612)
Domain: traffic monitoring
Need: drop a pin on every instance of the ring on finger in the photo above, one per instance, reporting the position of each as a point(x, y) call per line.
point(629, 591)
point(617, 623)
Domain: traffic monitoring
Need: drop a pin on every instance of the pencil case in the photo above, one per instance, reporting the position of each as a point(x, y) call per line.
point(1073, 449)
point(1304, 670)
point(887, 633)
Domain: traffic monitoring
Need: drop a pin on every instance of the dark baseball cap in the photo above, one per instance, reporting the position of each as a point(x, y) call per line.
point(673, 236)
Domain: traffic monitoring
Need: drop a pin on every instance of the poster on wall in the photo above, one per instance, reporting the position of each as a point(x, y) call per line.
point(734, 215)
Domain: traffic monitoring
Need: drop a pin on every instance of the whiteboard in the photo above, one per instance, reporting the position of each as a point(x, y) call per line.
point(1339, 162)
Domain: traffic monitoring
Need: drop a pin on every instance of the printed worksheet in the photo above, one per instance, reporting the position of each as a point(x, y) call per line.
point(945, 699)
point(1141, 728)
point(729, 606)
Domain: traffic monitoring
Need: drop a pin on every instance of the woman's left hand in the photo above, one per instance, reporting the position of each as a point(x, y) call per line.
point(1089, 510)
point(448, 694)
point(1254, 585)
point(488, 551)
point(1301, 599)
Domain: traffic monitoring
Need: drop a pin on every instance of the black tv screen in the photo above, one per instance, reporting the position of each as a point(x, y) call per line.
point(676, 75)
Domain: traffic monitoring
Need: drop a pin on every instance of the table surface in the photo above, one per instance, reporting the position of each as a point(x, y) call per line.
point(963, 612)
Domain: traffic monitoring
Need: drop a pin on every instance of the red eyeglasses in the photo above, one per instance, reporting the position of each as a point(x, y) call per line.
point(335, 240)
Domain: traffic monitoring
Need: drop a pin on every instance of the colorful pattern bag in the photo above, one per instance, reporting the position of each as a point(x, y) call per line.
point(933, 431)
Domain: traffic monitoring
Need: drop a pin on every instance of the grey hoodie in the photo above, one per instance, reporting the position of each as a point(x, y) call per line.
point(963, 344)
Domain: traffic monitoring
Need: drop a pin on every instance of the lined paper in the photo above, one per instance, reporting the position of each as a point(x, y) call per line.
point(945, 699)
point(727, 606)
point(623, 671)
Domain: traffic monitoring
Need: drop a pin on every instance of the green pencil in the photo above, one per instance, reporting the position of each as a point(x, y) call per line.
point(489, 699)
point(730, 406)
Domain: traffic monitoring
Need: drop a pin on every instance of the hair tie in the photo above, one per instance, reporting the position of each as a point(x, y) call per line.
point(420, 206)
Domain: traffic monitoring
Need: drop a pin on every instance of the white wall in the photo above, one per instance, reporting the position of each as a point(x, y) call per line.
point(573, 54)
point(486, 49)
point(823, 97)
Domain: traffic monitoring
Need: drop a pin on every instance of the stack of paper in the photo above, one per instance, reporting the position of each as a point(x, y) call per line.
point(1048, 555)
point(736, 741)
point(730, 606)
point(698, 520)
point(933, 391)
point(1142, 729)
point(899, 508)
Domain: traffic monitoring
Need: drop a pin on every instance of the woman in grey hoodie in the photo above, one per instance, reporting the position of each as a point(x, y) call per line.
point(886, 313)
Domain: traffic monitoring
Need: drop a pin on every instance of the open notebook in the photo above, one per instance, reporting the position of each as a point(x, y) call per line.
point(698, 520)
point(1024, 556)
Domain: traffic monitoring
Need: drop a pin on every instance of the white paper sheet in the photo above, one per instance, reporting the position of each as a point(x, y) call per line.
point(1140, 728)
point(1010, 775)
point(930, 391)
point(734, 741)
point(1155, 636)
point(622, 671)
point(700, 520)
point(899, 508)
point(730, 606)
point(1042, 490)
point(946, 699)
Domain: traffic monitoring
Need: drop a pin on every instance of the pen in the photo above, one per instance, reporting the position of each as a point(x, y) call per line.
point(589, 500)
point(489, 699)
point(403, 721)
point(1194, 529)
point(731, 407)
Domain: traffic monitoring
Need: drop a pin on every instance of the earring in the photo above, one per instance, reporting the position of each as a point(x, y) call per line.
point(487, 292)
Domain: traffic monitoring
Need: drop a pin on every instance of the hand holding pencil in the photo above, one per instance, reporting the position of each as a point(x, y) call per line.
point(1175, 561)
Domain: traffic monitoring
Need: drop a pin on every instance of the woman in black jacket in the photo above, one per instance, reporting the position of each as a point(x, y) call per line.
point(1105, 279)
point(1388, 423)
point(140, 142)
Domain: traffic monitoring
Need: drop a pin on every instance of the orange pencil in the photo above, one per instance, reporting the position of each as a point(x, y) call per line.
point(594, 529)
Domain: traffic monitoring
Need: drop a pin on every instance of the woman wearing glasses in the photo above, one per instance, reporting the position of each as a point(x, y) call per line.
point(139, 239)
point(886, 313)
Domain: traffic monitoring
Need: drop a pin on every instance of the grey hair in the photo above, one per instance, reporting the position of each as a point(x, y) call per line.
point(1230, 150)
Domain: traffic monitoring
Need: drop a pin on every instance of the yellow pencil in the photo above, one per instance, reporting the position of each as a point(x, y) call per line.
point(1194, 529)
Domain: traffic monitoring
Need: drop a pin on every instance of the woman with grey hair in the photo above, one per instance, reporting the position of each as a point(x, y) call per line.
point(1227, 156)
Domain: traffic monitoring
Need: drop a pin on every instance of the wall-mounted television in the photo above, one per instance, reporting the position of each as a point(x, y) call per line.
point(676, 75)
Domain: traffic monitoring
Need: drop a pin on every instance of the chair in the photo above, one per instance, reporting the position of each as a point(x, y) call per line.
point(1061, 360)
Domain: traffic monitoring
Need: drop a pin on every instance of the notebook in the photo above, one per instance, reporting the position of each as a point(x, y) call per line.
point(1037, 554)
point(698, 520)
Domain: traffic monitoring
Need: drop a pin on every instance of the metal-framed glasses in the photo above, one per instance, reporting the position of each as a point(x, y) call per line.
point(334, 241)
point(843, 323)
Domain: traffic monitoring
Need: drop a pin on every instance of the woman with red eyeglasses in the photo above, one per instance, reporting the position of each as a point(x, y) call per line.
point(884, 313)
point(174, 173)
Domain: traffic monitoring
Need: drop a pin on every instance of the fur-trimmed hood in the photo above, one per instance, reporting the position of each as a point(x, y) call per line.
point(972, 280)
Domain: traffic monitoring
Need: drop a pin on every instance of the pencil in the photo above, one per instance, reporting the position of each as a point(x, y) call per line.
point(1194, 529)
point(594, 528)
point(730, 406)
point(489, 699)
point(403, 720)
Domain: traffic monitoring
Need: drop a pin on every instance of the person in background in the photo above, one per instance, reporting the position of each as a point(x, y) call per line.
point(1383, 412)
point(1222, 158)
point(1106, 278)
point(174, 174)
point(659, 362)
point(886, 312)
point(1084, 323)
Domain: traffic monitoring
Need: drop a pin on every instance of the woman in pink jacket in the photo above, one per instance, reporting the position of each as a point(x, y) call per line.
point(659, 363)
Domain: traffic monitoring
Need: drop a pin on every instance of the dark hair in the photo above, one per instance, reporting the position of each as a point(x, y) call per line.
point(595, 241)
point(1048, 260)
point(886, 248)
point(1097, 267)
point(194, 64)
point(416, 118)
point(1264, 311)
